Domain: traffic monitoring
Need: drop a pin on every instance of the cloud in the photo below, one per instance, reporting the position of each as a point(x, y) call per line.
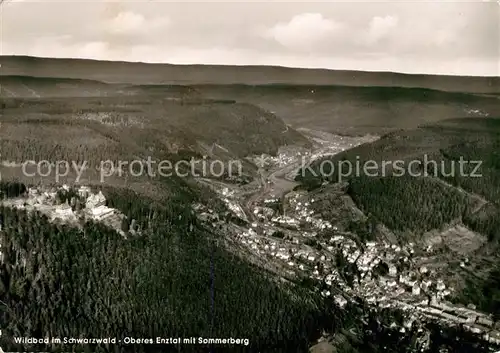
point(221, 55)
point(132, 23)
point(93, 50)
point(419, 36)
point(304, 32)
point(126, 22)
point(381, 27)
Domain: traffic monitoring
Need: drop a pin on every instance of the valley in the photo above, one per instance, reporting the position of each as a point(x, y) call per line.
point(284, 251)
point(298, 245)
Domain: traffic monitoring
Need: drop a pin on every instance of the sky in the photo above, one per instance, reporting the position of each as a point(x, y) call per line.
point(435, 37)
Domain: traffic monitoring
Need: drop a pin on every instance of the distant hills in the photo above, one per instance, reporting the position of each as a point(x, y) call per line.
point(357, 110)
point(346, 110)
point(142, 73)
point(342, 102)
point(123, 127)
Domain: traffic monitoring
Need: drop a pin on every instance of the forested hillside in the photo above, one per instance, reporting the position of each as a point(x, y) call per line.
point(358, 110)
point(158, 124)
point(444, 195)
point(407, 203)
point(417, 197)
point(177, 279)
point(334, 107)
point(58, 281)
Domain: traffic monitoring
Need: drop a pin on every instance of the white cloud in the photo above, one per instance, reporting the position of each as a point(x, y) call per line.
point(381, 27)
point(131, 23)
point(186, 55)
point(93, 50)
point(304, 32)
point(126, 22)
point(446, 36)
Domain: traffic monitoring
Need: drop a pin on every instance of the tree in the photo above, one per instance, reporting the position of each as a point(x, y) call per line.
point(125, 225)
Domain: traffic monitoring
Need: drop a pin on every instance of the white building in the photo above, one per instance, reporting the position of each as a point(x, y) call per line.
point(416, 289)
point(96, 200)
point(340, 301)
point(393, 271)
point(84, 191)
point(33, 191)
point(64, 210)
point(101, 212)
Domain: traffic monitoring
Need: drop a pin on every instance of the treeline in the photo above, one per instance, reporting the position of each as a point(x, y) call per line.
point(10, 189)
point(485, 182)
point(485, 221)
point(486, 156)
point(420, 204)
point(243, 129)
point(36, 150)
point(60, 138)
point(485, 294)
point(149, 213)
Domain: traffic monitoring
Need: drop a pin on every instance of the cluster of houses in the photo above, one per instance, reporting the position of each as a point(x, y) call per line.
point(476, 112)
point(302, 211)
point(111, 118)
point(300, 217)
point(386, 274)
point(284, 158)
point(418, 291)
point(383, 274)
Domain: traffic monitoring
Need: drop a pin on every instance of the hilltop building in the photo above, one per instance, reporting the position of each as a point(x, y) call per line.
point(84, 191)
point(101, 212)
point(96, 200)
